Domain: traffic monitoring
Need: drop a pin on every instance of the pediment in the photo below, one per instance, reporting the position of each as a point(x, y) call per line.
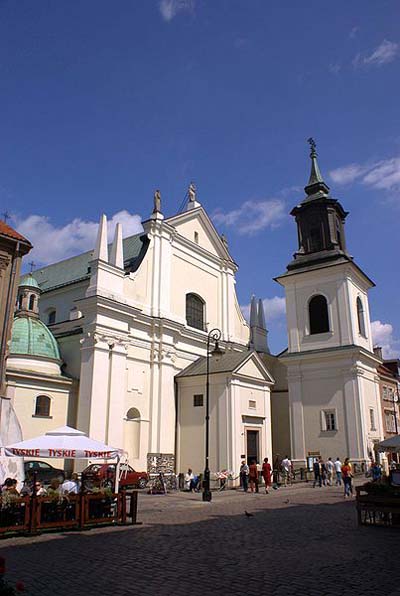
point(254, 368)
point(196, 226)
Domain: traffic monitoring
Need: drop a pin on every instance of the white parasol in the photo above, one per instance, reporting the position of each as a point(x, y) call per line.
point(63, 442)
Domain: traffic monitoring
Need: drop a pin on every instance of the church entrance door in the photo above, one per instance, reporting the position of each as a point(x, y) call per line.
point(252, 439)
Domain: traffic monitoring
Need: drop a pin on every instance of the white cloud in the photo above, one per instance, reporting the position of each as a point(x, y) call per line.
point(382, 336)
point(383, 175)
point(170, 8)
point(386, 52)
point(335, 68)
point(52, 243)
point(252, 216)
point(274, 308)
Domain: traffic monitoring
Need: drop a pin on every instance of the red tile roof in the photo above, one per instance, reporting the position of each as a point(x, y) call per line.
point(6, 230)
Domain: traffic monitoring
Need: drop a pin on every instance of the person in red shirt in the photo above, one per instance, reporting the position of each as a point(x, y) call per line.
point(347, 476)
point(266, 472)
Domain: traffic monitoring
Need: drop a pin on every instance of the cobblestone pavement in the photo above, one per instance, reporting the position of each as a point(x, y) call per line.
point(299, 541)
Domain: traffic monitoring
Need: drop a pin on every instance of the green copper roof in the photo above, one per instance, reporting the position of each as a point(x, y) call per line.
point(77, 268)
point(31, 337)
point(30, 281)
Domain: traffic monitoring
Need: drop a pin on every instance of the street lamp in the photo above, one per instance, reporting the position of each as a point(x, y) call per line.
point(213, 336)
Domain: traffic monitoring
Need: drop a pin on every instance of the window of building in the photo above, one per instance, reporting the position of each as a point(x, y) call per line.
point(372, 418)
point(133, 414)
point(20, 298)
point(328, 420)
point(51, 317)
point(384, 392)
point(390, 423)
point(390, 393)
point(195, 311)
point(196, 237)
point(198, 400)
point(360, 317)
point(31, 302)
point(318, 314)
point(42, 407)
point(315, 239)
point(252, 404)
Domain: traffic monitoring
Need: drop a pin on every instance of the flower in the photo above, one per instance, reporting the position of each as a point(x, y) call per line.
point(20, 586)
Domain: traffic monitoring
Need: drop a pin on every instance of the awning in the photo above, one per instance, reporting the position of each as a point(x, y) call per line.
point(391, 444)
point(63, 442)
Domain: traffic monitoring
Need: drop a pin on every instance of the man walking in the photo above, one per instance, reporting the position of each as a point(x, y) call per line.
point(244, 476)
point(317, 473)
point(287, 468)
point(338, 470)
point(329, 470)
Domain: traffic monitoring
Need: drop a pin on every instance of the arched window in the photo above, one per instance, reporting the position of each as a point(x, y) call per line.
point(51, 317)
point(133, 414)
point(195, 311)
point(360, 317)
point(318, 314)
point(20, 299)
point(31, 302)
point(42, 407)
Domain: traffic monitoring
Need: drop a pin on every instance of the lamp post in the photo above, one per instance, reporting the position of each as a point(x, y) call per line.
point(213, 336)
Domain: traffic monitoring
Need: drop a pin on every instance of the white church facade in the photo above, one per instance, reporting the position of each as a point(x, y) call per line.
point(131, 319)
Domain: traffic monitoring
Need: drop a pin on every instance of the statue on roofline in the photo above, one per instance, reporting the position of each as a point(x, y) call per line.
point(157, 202)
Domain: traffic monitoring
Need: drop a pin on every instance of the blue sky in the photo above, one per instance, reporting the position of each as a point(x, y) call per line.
point(102, 102)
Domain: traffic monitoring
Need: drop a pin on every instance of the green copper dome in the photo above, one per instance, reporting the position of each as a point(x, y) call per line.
point(29, 281)
point(31, 337)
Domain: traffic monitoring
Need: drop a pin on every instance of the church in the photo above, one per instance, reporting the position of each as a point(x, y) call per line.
point(114, 342)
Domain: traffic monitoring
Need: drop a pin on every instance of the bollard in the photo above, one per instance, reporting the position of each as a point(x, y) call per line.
point(133, 508)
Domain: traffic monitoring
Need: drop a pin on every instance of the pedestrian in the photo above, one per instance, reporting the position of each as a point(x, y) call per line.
point(347, 476)
point(376, 472)
point(244, 476)
point(253, 476)
point(324, 471)
point(189, 477)
point(286, 468)
point(338, 470)
point(266, 472)
point(276, 469)
point(329, 471)
point(317, 473)
point(10, 487)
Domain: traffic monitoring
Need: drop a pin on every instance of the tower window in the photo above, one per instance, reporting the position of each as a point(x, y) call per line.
point(20, 299)
point(315, 240)
point(42, 407)
point(196, 237)
point(195, 311)
point(31, 302)
point(318, 314)
point(51, 317)
point(360, 317)
point(328, 420)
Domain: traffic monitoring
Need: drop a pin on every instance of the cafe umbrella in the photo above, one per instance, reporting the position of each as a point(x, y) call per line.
point(65, 442)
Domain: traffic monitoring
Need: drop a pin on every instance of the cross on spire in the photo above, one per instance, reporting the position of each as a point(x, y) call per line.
point(32, 265)
point(313, 147)
point(6, 216)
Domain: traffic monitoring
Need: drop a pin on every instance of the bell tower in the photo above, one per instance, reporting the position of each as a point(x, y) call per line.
point(320, 222)
point(331, 367)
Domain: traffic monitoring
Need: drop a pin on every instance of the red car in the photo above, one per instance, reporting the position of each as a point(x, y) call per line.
point(105, 473)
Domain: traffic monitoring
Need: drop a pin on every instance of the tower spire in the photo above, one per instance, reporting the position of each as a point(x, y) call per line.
point(117, 251)
point(316, 182)
point(101, 250)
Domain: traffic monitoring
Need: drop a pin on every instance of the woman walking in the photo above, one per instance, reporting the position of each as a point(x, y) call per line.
point(347, 478)
point(266, 472)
